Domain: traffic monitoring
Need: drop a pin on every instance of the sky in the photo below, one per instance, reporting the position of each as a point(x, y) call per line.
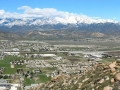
point(105, 9)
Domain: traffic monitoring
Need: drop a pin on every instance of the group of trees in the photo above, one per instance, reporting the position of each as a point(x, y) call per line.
point(4, 76)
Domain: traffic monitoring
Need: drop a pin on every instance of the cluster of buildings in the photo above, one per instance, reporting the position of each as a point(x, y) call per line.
point(34, 60)
point(4, 85)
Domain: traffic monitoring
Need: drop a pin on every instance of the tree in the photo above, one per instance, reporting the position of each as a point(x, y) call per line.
point(1, 76)
point(5, 77)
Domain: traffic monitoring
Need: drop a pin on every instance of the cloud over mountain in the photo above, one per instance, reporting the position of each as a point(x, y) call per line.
point(52, 15)
point(38, 12)
point(52, 19)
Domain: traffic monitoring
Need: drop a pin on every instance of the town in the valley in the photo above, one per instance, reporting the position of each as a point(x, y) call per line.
point(28, 64)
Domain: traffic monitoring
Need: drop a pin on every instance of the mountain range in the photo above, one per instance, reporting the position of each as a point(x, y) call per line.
point(58, 27)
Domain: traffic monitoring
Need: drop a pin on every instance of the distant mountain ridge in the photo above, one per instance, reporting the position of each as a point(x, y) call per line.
point(22, 25)
point(53, 20)
point(52, 35)
point(56, 28)
point(9, 36)
point(63, 35)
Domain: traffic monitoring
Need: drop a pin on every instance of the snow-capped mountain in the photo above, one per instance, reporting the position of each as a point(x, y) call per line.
point(56, 23)
point(52, 28)
point(50, 22)
point(52, 19)
point(75, 20)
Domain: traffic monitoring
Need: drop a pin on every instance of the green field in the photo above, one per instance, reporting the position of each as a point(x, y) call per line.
point(10, 71)
point(107, 60)
point(27, 81)
point(6, 64)
point(44, 78)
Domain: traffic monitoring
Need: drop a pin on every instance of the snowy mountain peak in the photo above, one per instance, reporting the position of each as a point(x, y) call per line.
point(41, 16)
point(54, 20)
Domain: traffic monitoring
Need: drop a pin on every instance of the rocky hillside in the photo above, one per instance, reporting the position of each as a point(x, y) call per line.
point(53, 35)
point(9, 36)
point(101, 77)
point(63, 35)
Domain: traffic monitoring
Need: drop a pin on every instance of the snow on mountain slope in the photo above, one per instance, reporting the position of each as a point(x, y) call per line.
point(55, 20)
point(41, 16)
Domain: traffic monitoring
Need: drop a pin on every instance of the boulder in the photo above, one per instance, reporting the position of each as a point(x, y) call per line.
point(112, 70)
point(117, 76)
point(101, 81)
point(79, 85)
point(112, 80)
point(107, 88)
point(107, 78)
point(85, 79)
point(118, 60)
point(112, 65)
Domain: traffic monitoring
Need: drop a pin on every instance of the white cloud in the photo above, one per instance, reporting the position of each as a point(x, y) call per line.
point(38, 12)
point(35, 12)
point(2, 12)
point(24, 7)
point(52, 14)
